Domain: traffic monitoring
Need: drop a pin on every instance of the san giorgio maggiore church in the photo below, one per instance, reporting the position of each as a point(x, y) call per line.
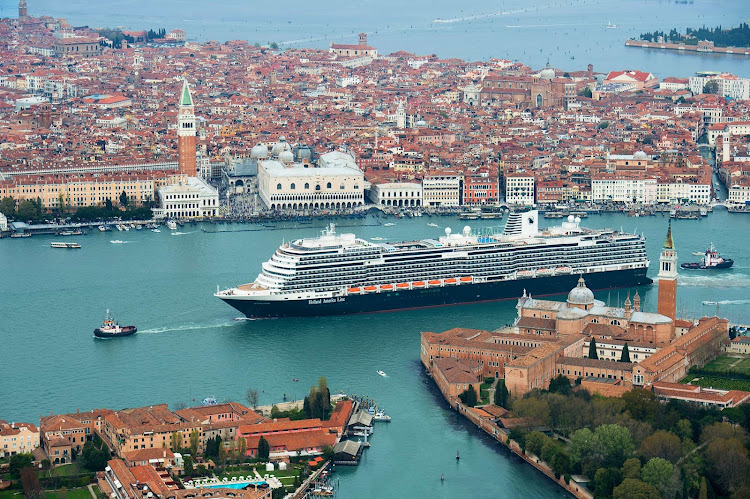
point(189, 195)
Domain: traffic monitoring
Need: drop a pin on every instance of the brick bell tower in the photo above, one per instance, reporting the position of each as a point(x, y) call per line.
point(668, 277)
point(186, 133)
point(22, 12)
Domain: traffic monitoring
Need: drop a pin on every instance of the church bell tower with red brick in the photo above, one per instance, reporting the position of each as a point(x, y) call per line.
point(186, 133)
point(668, 278)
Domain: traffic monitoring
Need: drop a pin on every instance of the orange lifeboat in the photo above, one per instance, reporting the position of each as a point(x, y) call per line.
point(450, 281)
point(544, 271)
point(435, 282)
point(354, 290)
point(386, 287)
point(466, 279)
point(402, 285)
point(418, 284)
point(371, 288)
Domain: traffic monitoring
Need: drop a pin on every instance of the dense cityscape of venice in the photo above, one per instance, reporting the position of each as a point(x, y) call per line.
point(450, 277)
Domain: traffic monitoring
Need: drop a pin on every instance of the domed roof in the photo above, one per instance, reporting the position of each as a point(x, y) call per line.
point(581, 295)
point(280, 146)
point(259, 152)
point(286, 157)
point(547, 73)
point(640, 155)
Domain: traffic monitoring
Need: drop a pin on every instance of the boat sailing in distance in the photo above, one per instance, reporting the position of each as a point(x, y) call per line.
point(65, 245)
point(710, 260)
point(112, 329)
point(340, 273)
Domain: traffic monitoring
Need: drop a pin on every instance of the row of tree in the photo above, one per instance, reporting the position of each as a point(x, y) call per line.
point(635, 446)
point(33, 210)
point(732, 37)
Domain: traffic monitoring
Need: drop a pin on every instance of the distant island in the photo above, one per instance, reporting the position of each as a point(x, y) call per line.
point(733, 37)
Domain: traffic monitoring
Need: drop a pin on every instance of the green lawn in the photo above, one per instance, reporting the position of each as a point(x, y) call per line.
point(67, 470)
point(8, 494)
point(82, 493)
point(723, 363)
point(718, 382)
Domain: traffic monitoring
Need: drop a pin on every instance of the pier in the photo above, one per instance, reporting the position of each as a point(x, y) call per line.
point(702, 47)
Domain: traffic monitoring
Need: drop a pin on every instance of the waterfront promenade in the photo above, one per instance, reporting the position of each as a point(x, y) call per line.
point(699, 48)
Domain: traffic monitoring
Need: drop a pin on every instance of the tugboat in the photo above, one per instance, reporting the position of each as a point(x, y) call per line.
point(711, 260)
point(112, 329)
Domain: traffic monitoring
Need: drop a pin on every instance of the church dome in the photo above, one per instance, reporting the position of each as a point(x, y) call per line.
point(280, 146)
point(547, 73)
point(640, 155)
point(581, 295)
point(286, 157)
point(259, 152)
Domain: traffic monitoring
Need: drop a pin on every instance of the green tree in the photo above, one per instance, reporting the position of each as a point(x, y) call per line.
point(605, 480)
point(603, 124)
point(175, 440)
point(562, 464)
point(534, 441)
point(641, 404)
point(711, 87)
point(586, 92)
point(703, 491)
point(188, 465)
point(469, 396)
point(201, 470)
point(635, 489)
point(728, 463)
point(582, 444)
point(560, 384)
point(108, 204)
point(662, 444)
point(19, 462)
point(625, 357)
point(658, 472)
point(242, 448)
point(8, 206)
point(195, 436)
point(632, 468)
point(124, 199)
point(614, 444)
point(95, 454)
point(536, 409)
point(501, 394)
point(27, 210)
point(275, 46)
point(592, 349)
point(263, 448)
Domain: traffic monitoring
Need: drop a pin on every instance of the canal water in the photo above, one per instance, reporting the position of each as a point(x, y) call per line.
point(190, 346)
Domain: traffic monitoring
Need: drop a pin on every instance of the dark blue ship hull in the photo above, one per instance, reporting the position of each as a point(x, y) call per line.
point(436, 296)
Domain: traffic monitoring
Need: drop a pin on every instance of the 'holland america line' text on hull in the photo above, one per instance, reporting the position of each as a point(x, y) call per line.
point(339, 274)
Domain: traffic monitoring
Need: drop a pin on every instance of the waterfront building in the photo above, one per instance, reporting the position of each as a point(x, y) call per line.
point(17, 438)
point(441, 189)
point(401, 194)
point(480, 188)
point(618, 188)
point(454, 376)
point(520, 188)
point(335, 183)
point(3, 222)
point(188, 197)
point(740, 345)
point(728, 85)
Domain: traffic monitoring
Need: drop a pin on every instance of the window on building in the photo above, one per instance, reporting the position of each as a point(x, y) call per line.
point(278, 187)
point(292, 186)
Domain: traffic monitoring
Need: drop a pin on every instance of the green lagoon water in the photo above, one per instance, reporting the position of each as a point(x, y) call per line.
point(190, 346)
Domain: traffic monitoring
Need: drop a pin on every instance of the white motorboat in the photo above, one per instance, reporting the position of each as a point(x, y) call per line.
point(381, 373)
point(389, 224)
point(116, 241)
point(381, 416)
point(172, 225)
point(433, 225)
point(102, 228)
point(155, 230)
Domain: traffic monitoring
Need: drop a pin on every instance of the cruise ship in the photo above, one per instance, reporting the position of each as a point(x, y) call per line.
point(341, 274)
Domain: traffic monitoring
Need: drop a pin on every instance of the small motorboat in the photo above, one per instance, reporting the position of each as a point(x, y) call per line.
point(381, 373)
point(711, 260)
point(457, 456)
point(112, 329)
point(117, 241)
point(381, 416)
point(172, 225)
point(433, 225)
point(155, 230)
point(389, 224)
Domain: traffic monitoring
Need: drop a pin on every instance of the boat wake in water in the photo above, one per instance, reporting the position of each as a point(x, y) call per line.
point(185, 327)
point(723, 280)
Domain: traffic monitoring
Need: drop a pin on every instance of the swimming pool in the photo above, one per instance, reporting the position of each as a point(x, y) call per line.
point(232, 485)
